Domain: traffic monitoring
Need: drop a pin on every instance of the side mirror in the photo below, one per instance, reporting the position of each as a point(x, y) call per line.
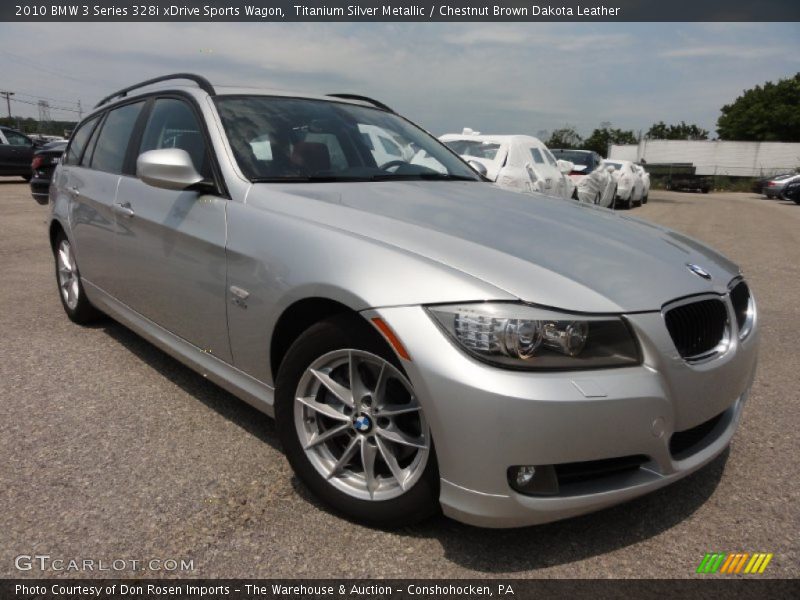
point(168, 168)
point(565, 166)
point(479, 167)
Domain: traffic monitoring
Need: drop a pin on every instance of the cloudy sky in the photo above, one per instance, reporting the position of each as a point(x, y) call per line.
point(496, 78)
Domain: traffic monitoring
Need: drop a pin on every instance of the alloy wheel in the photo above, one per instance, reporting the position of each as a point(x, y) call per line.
point(67, 275)
point(361, 425)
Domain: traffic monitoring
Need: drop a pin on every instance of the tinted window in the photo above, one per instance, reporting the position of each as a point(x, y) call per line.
point(112, 143)
point(173, 124)
point(537, 156)
point(78, 143)
point(17, 139)
point(90, 144)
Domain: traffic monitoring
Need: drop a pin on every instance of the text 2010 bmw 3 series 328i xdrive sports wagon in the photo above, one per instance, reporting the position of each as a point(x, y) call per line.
point(423, 338)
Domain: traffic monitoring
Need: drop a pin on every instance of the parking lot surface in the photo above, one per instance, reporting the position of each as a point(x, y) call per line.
point(110, 449)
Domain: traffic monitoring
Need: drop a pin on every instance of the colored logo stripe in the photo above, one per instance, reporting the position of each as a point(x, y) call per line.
point(734, 563)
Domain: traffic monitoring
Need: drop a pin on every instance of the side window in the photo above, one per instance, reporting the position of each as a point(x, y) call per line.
point(90, 144)
point(537, 156)
point(78, 142)
point(17, 139)
point(173, 124)
point(391, 148)
point(367, 141)
point(549, 157)
point(112, 143)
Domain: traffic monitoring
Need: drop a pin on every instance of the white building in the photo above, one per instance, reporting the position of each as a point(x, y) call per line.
point(736, 159)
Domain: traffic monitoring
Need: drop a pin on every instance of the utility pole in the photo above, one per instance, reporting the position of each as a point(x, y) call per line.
point(8, 101)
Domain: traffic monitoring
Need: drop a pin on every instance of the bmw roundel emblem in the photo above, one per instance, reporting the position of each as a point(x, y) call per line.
point(363, 424)
point(698, 270)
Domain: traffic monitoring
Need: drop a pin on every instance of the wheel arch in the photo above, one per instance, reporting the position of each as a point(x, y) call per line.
point(55, 228)
point(297, 318)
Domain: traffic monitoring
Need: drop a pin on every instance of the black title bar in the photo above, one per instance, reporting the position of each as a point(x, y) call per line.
point(373, 589)
point(387, 11)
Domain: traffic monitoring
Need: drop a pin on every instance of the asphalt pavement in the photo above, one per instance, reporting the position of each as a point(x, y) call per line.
point(112, 450)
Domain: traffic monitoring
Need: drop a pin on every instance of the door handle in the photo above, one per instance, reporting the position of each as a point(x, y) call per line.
point(124, 209)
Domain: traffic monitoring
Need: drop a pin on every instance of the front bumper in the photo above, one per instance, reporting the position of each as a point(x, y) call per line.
point(485, 419)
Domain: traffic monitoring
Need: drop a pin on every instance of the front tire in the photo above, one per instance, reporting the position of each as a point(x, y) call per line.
point(70, 288)
point(352, 427)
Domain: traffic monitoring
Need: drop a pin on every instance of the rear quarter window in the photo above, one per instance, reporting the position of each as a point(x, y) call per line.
point(79, 140)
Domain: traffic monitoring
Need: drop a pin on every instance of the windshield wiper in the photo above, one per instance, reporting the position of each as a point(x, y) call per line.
point(348, 178)
point(423, 176)
point(308, 179)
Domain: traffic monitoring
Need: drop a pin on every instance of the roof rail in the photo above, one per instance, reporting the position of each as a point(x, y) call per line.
point(204, 84)
point(362, 99)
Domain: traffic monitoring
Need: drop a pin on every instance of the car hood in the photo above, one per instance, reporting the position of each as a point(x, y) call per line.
point(540, 249)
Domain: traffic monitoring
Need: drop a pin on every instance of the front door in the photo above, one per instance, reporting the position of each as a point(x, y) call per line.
point(171, 244)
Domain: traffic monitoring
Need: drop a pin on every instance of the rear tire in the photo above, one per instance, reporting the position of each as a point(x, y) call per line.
point(70, 288)
point(401, 484)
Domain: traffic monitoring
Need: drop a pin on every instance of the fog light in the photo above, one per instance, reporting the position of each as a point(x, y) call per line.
point(525, 475)
point(533, 480)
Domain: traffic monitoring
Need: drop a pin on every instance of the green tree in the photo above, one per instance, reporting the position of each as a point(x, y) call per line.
point(682, 131)
point(566, 137)
point(768, 113)
point(605, 135)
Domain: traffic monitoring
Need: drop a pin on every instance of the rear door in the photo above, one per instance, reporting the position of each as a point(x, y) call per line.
point(92, 185)
point(171, 244)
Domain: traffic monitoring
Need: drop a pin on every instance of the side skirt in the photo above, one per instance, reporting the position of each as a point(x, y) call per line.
point(240, 384)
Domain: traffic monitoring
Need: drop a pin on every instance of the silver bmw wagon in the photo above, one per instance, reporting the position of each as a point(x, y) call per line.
point(425, 340)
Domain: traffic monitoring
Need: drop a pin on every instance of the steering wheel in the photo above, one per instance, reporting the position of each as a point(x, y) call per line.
point(392, 163)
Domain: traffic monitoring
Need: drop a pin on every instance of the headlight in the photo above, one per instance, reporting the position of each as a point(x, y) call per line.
point(518, 336)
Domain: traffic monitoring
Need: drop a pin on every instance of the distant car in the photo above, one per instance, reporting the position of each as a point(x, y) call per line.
point(774, 187)
point(760, 183)
point(44, 163)
point(593, 181)
point(16, 153)
point(791, 191)
point(517, 162)
point(645, 178)
point(629, 183)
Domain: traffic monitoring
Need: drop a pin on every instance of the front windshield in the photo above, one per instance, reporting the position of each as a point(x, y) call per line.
point(474, 148)
point(579, 158)
point(294, 139)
